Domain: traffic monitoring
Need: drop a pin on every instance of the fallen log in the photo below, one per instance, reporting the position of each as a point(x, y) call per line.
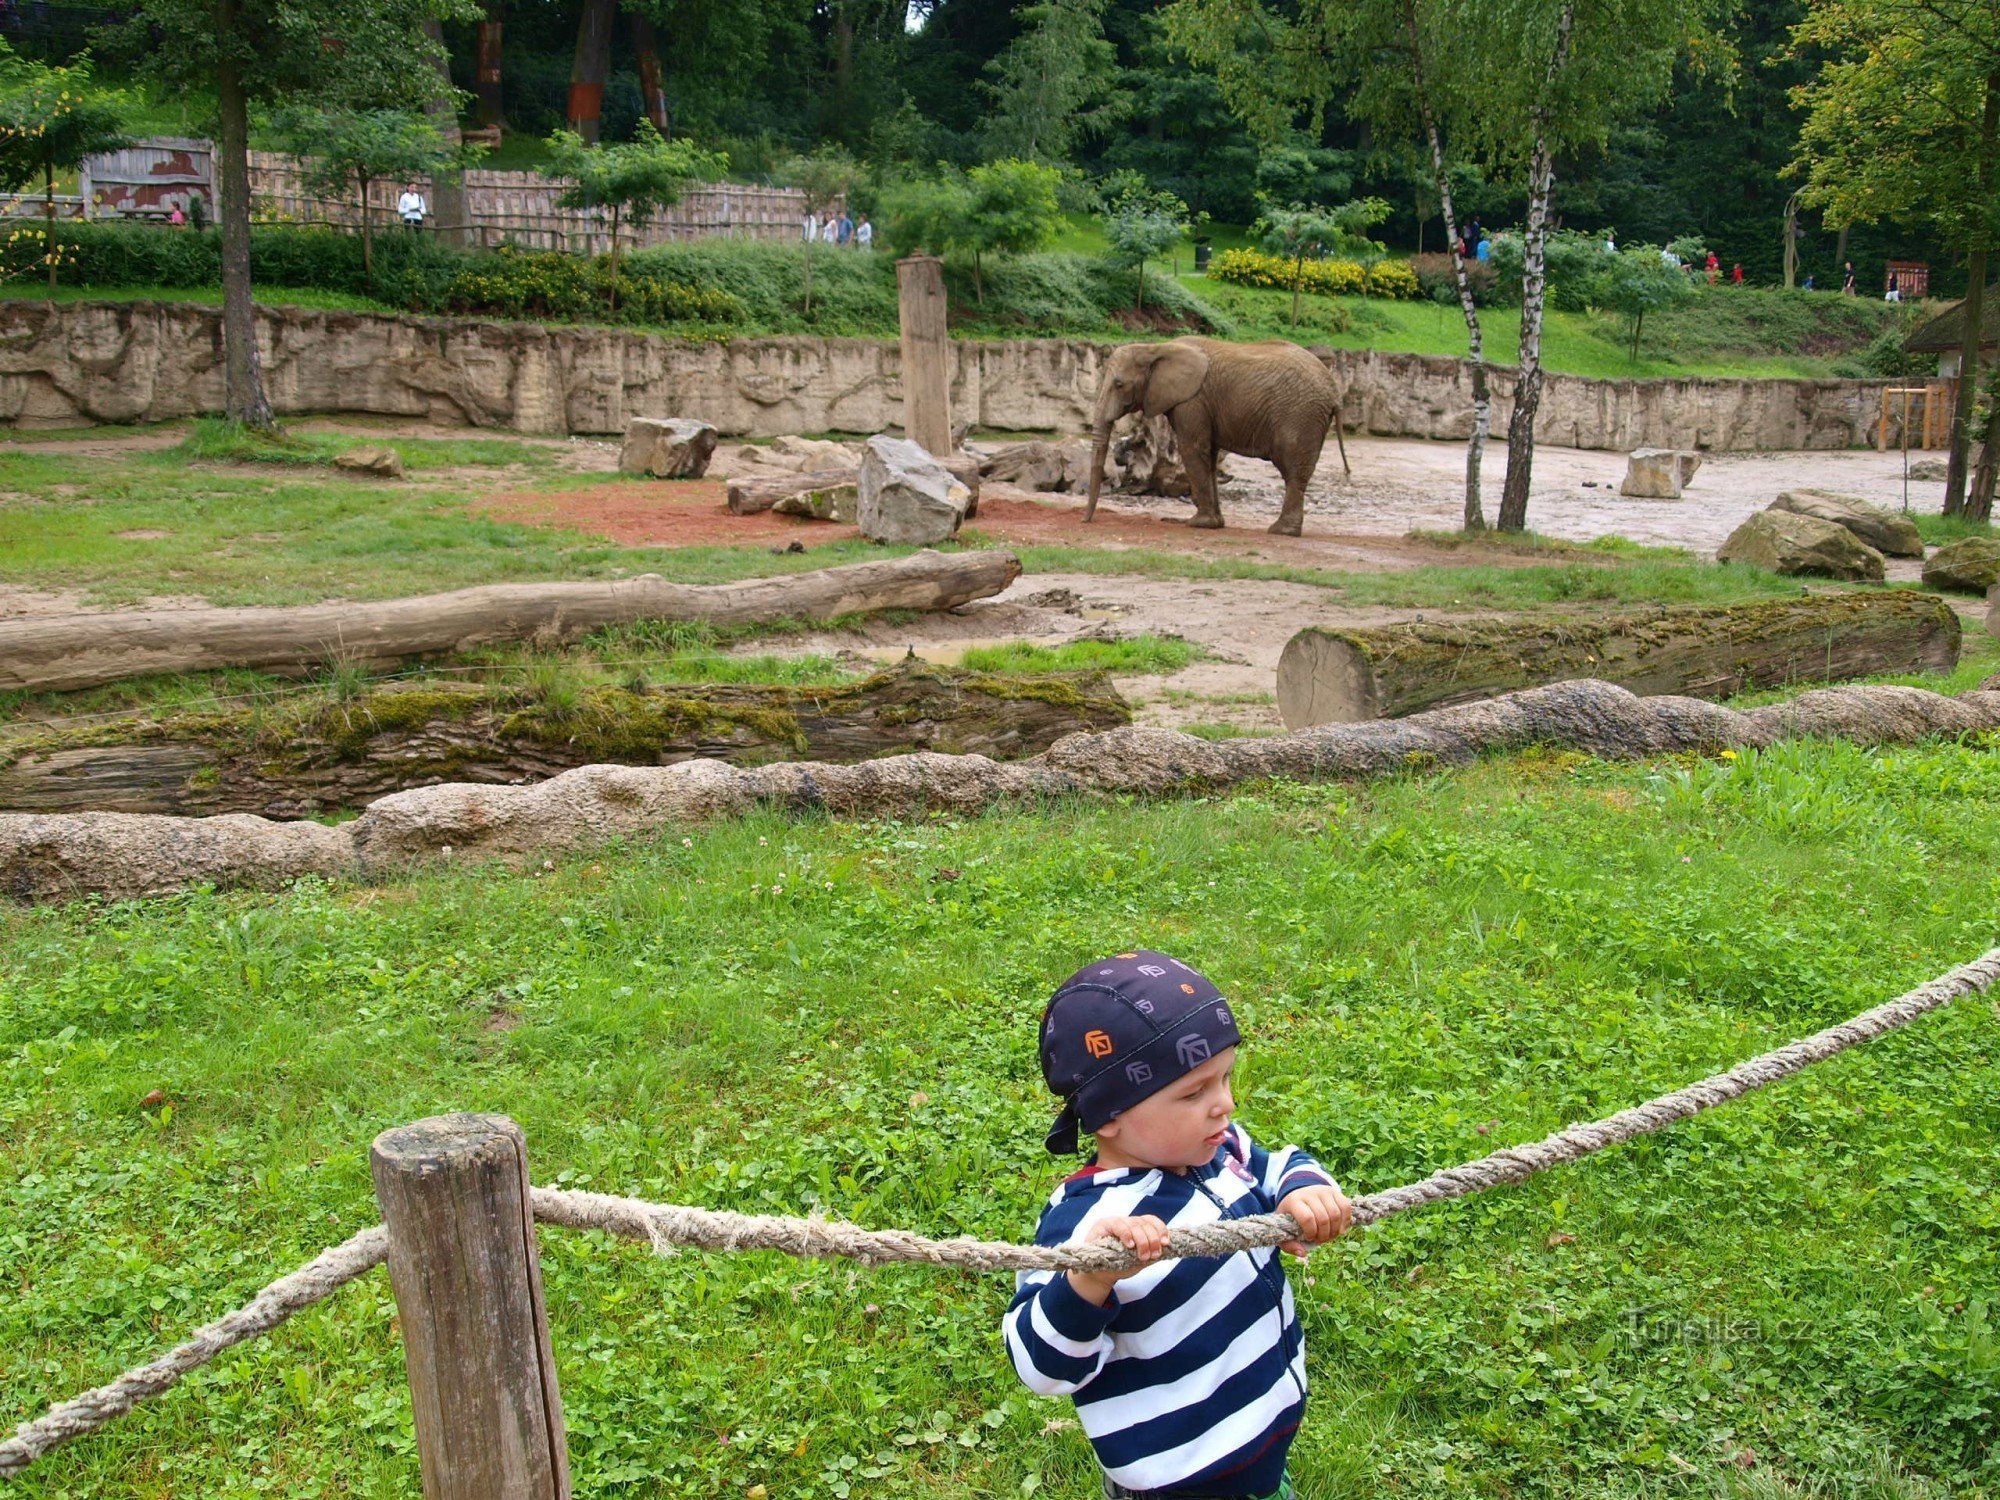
point(754, 493)
point(54, 856)
point(1328, 676)
point(62, 652)
point(325, 755)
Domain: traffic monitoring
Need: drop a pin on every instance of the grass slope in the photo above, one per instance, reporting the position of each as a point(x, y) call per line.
point(1790, 1296)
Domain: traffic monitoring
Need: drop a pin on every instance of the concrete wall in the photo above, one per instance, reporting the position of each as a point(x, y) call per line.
point(75, 363)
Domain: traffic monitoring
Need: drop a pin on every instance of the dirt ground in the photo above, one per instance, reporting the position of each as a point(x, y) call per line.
point(1358, 522)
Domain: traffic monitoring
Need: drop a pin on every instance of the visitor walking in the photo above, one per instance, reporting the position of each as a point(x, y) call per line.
point(845, 234)
point(810, 225)
point(1713, 267)
point(1895, 292)
point(864, 234)
point(1847, 282)
point(1736, 274)
point(411, 208)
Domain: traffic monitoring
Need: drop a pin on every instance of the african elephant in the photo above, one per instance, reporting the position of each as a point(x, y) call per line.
point(1271, 401)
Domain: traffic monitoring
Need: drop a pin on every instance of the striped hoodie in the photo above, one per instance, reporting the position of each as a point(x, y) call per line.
point(1194, 1375)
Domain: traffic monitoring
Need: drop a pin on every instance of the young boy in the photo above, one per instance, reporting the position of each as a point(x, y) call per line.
point(1189, 1376)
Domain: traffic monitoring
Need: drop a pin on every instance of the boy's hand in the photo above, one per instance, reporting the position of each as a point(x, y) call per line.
point(1322, 1212)
point(1145, 1236)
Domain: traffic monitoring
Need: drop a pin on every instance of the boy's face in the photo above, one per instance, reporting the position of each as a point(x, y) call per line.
point(1176, 1128)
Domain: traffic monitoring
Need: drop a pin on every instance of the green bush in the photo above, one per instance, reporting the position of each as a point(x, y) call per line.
point(1437, 279)
point(854, 291)
point(1392, 278)
point(1328, 278)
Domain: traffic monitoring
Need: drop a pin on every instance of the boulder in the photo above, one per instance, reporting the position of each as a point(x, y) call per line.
point(1970, 565)
point(1782, 542)
point(1887, 531)
point(667, 447)
point(1658, 473)
point(384, 463)
point(965, 469)
point(906, 496)
point(837, 501)
point(1932, 469)
point(808, 453)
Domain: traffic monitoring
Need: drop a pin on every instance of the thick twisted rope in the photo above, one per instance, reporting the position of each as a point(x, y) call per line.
point(669, 1226)
point(319, 1278)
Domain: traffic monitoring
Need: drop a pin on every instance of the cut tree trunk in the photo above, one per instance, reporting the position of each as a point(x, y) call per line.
point(243, 397)
point(652, 77)
point(592, 66)
point(447, 183)
point(321, 756)
point(63, 652)
point(1347, 676)
point(749, 496)
point(488, 107)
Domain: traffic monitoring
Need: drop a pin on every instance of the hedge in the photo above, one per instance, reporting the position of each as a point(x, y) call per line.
point(1330, 278)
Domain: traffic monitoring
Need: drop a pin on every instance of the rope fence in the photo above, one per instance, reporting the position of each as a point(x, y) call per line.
point(459, 1165)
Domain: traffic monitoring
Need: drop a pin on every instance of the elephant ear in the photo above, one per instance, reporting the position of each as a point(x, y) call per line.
point(1177, 374)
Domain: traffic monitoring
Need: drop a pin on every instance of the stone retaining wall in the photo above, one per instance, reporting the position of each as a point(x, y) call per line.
point(70, 364)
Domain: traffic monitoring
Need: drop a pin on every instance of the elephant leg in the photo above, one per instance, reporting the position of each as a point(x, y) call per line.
point(1197, 445)
point(1297, 474)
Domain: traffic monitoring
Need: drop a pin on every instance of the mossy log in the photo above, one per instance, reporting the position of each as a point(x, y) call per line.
point(322, 756)
point(63, 652)
point(1696, 651)
point(750, 494)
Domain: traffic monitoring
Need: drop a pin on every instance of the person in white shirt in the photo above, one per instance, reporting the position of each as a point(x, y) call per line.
point(829, 232)
point(864, 234)
point(411, 208)
point(810, 224)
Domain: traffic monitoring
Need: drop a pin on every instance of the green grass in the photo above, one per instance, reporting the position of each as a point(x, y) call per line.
point(781, 1016)
point(208, 296)
point(1132, 656)
point(1937, 530)
point(214, 440)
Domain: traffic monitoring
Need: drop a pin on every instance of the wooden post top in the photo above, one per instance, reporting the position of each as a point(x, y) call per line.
point(432, 1144)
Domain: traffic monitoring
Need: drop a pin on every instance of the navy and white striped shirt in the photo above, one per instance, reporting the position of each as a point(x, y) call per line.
point(1194, 1375)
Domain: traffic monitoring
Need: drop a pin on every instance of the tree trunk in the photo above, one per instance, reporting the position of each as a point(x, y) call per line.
point(1975, 311)
point(243, 379)
point(1697, 651)
point(1528, 385)
point(1638, 327)
point(487, 107)
point(298, 761)
point(591, 68)
point(614, 257)
point(1298, 283)
point(751, 496)
point(1482, 399)
point(1979, 504)
point(809, 273)
point(367, 240)
point(49, 223)
point(448, 210)
point(63, 652)
point(652, 77)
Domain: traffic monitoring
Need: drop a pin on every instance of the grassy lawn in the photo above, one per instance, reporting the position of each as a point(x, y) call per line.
point(1788, 1297)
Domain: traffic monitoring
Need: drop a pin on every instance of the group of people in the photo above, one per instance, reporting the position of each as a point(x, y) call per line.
point(838, 229)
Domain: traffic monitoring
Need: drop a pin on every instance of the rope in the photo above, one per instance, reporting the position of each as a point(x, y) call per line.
point(320, 1277)
point(668, 1226)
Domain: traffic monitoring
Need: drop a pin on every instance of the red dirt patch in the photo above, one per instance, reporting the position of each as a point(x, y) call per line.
point(657, 513)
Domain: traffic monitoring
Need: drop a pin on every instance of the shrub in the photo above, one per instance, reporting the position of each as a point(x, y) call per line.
point(1437, 280)
point(1392, 279)
point(551, 284)
point(1329, 278)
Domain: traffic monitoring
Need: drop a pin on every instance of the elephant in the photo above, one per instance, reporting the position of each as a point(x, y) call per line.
point(1271, 400)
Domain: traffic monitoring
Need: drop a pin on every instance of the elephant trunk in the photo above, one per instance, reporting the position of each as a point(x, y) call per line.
point(1099, 448)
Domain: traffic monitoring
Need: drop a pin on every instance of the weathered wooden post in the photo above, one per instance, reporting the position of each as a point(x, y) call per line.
point(926, 354)
point(454, 1197)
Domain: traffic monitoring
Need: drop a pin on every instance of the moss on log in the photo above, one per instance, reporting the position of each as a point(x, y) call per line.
point(323, 755)
point(1697, 651)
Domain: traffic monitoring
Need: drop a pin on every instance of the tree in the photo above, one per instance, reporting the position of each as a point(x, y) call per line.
point(1903, 123)
point(824, 177)
point(1638, 280)
point(51, 119)
point(1302, 232)
point(1013, 209)
point(1508, 86)
point(363, 53)
point(635, 179)
point(1141, 222)
point(1053, 84)
point(349, 150)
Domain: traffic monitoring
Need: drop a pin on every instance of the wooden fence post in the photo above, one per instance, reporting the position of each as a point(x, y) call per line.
point(454, 1196)
point(926, 354)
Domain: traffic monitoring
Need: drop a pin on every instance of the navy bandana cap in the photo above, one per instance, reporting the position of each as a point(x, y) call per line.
point(1119, 1030)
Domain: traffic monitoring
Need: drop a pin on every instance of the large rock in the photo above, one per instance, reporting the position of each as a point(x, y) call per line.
point(808, 453)
point(1027, 466)
point(964, 468)
point(667, 447)
point(1970, 565)
point(836, 501)
point(1658, 473)
point(1887, 531)
point(382, 462)
point(1931, 470)
point(907, 496)
point(1781, 542)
